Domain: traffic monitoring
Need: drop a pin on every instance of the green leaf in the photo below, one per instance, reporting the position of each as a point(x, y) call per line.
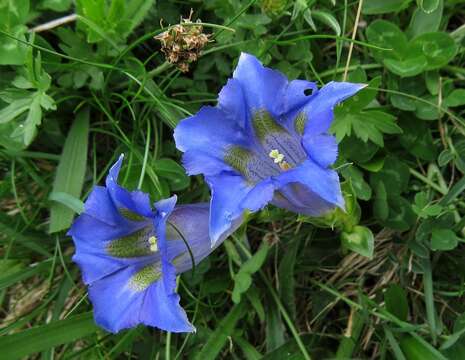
point(328, 19)
point(428, 6)
point(417, 139)
point(423, 208)
point(380, 203)
point(360, 186)
point(424, 22)
point(13, 16)
point(287, 278)
point(359, 240)
point(13, 52)
point(396, 301)
point(56, 5)
point(411, 66)
point(438, 48)
point(218, 339)
point(68, 200)
point(288, 350)
point(111, 20)
point(249, 351)
point(443, 239)
point(37, 339)
point(455, 98)
point(366, 125)
point(364, 97)
point(33, 119)
point(454, 192)
point(415, 348)
point(376, 7)
point(23, 274)
point(387, 35)
point(275, 331)
point(445, 157)
point(136, 11)
point(243, 278)
point(69, 176)
point(173, 172)
point(16, 108)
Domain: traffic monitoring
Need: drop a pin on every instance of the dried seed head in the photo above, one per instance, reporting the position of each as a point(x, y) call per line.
point(183, 42)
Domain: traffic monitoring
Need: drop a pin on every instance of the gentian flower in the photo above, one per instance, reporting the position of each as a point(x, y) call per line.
point(129, 255)
point(266, 141)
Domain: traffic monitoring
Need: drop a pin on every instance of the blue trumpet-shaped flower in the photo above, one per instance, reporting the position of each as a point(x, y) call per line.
point(266, 141)
point(129, 255)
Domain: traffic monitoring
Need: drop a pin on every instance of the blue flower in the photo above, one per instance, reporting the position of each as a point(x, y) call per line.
point(266, 141)
point(129, 255)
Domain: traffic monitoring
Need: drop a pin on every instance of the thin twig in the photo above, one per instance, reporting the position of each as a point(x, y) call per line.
point(54, 23)
point(354, 33)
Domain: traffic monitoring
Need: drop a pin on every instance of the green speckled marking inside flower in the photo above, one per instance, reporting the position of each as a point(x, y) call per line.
point(264, 124)
point(146, 277)
point(238, 159)
point(133, 245)
point(130, 215)
point(299, 123)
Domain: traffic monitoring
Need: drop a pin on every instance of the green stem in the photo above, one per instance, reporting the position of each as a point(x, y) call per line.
point(168, 346)
point(281, 307)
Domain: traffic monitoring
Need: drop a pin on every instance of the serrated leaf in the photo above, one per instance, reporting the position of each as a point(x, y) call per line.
point(366, 125)
point(16, 108)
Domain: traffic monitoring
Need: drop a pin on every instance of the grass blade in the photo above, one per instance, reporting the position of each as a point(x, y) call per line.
point(44, 337)
point(219, 338)
point(70, 172)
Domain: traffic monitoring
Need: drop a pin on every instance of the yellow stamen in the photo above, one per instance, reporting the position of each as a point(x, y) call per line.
point(153, 243)
point(284, 165)
point(276, 155)
point(279, 159)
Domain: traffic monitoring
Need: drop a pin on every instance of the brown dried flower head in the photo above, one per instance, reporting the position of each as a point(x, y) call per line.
point(183, 42)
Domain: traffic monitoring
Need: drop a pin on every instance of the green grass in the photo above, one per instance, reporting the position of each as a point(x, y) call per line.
point(107, 89)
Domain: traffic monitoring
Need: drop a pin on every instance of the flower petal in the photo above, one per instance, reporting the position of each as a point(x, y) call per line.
point(232, 102)
point(102, 249)
point(319, 109)
point(263, 88)
point(138, 295)
point(137, 201)
point(207, 135)
point(298, 93)
point(322, 148)
point(100, 206)
point(188, 223)
point(309, 189)
point(231, 195)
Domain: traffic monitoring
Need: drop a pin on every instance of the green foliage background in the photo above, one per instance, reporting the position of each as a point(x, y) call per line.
point(384, 280)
